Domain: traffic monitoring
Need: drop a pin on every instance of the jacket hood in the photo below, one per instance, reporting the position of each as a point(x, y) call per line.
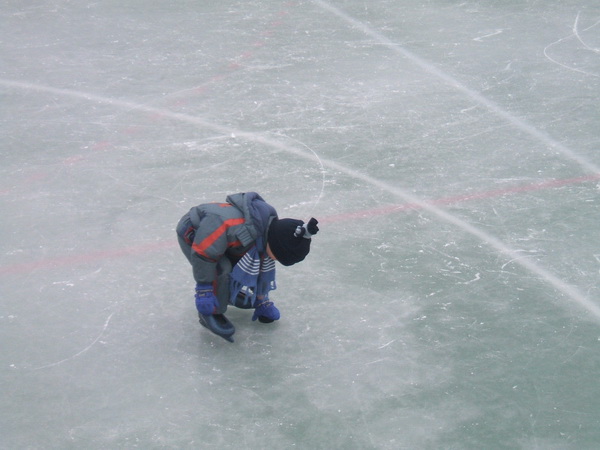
point(257, 214)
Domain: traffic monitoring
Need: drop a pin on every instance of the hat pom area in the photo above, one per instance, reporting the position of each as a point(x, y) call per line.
point(307, 230)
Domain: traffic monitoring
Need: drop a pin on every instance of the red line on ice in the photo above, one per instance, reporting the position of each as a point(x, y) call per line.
point(444, 201)
point(364, 214)
point(85, 258)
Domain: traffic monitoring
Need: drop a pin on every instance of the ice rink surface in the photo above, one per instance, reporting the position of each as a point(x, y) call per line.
point(450, 150)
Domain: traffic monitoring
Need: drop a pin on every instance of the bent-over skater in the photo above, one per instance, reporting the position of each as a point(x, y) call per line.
point(232, 248)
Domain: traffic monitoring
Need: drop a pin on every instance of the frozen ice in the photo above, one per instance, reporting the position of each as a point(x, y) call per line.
point(450, 151)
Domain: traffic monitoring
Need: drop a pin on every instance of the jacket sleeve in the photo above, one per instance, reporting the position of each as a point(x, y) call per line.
point(210, 244)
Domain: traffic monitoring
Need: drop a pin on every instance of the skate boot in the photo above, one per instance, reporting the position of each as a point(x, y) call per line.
point(218, 324)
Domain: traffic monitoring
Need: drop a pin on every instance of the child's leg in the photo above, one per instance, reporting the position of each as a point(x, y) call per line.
point(224, 268)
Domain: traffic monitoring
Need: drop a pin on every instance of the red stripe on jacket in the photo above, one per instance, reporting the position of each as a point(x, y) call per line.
point(212, 237)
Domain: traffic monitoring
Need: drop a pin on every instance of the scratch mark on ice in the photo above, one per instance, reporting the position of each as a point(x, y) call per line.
point(477, 278)
point(82, 351)
point(480, 38)
point(385, 345)
point(376, 361)
point(577, 35)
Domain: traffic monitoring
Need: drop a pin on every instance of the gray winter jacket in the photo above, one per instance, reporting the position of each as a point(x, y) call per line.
point(217, 230)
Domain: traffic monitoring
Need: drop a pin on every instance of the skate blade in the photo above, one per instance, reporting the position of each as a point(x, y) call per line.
point(219, 325)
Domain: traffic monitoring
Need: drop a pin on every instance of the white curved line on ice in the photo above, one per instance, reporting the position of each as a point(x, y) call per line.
point(82, 351)
point(570, 291)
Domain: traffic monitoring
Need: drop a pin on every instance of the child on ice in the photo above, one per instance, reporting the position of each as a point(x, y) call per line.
point(232, 248)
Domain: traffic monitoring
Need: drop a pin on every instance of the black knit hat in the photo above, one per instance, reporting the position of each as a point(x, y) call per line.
point(289, 239)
